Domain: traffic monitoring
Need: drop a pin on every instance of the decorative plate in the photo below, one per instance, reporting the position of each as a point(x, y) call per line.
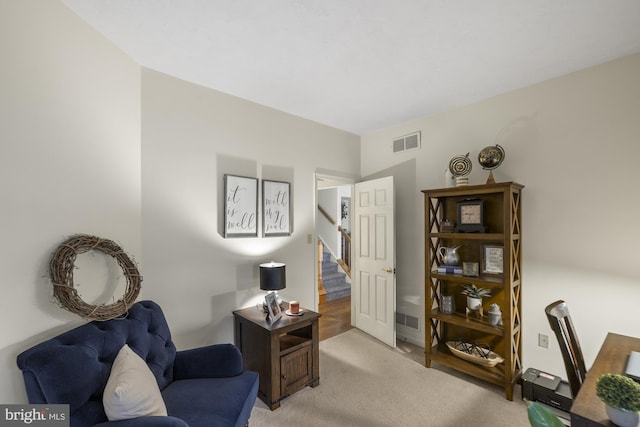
point(289, 313)
point(473, 353)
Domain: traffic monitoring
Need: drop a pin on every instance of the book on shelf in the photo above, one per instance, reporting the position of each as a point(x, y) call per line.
point(449, 269)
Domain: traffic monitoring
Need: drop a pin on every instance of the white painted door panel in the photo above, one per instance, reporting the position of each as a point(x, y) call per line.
point(374, 286)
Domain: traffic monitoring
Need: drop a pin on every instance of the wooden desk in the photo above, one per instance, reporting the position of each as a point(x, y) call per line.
point(285, 354)
point(587, 408)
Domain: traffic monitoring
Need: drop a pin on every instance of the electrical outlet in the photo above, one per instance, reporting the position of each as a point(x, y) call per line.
point(543, 340)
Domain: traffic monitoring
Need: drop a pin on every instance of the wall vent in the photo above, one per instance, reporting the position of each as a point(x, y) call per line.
point(407, 142)
point(408, 321)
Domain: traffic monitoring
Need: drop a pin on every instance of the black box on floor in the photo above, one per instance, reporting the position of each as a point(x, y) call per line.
point(539, 386)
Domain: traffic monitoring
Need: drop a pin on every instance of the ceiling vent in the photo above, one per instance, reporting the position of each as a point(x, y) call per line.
point(407, 142)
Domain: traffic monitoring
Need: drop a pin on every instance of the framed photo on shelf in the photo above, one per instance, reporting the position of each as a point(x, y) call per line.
point(273, 308)
point(276, 208)
point(240, 206)
point(492, 259)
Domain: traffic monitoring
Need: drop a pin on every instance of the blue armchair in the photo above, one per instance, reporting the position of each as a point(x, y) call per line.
point(204, 386)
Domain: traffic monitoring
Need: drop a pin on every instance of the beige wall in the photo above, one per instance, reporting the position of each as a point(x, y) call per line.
point(574, 143)
point(192, 136)
point(90, 143)
point(93, 144)
point(69, 163)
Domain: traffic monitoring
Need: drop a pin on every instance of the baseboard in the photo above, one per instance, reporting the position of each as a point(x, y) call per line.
point(409, 339)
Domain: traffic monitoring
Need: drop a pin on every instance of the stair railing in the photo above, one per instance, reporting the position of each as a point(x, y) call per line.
point(345, 240)
point(345, 262)
point(322, 294)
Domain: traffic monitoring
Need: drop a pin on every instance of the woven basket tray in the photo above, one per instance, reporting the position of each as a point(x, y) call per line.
point(492, 360)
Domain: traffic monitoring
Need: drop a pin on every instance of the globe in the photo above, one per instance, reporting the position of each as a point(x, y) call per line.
point(491, 157)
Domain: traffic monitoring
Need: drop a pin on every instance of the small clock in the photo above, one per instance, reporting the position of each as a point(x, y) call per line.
point(471, 216)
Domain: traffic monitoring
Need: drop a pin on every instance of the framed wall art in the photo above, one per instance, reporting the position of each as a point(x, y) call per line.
point(276, 208)
point(492, 259)
point(240, 206)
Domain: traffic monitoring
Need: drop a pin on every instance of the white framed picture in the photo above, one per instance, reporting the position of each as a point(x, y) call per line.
point(276, 208)
point(492, 259)
point(240, 206)
point(271, 300)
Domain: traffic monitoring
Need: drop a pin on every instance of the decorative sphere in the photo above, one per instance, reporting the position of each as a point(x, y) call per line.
point(491, 157)
point(460, 165)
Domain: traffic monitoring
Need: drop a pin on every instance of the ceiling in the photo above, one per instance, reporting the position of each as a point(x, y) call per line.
point(363, 65)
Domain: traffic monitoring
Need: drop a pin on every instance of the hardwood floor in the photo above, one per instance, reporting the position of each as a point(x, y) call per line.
point(336, 317)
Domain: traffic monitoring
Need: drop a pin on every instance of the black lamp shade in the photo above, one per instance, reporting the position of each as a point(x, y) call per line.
point(273, 276)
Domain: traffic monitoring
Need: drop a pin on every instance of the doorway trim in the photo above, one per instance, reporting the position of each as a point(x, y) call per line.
point(327, 179)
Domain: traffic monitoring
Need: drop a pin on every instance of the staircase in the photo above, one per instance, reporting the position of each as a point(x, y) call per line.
point(333, 281)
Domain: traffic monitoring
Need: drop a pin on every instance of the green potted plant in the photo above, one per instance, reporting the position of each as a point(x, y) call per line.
point(474, 295)
point(621, 396)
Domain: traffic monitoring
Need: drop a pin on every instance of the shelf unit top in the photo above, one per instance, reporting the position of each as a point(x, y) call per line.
point(466, 190)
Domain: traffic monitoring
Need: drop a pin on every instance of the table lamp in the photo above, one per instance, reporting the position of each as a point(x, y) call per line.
point(273, 277)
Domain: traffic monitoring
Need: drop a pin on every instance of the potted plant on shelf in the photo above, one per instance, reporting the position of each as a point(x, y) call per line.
point(474, 295)
point(621, 396)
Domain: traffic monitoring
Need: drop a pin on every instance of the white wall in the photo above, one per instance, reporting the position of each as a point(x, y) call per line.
point(69, 163)
point(328, 200)
point(573, 142)
point(71, 119)
point(73, 112)
point(192, 136)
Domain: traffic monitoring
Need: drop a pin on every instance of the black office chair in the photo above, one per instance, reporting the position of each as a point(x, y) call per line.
point(562, 326)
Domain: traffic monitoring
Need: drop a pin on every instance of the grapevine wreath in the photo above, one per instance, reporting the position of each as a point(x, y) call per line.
point(61, 271)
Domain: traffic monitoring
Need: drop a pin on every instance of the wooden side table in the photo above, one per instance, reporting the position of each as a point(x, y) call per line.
point(285, 353)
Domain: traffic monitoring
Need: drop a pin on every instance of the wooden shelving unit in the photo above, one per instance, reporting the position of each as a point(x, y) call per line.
point(502, 217)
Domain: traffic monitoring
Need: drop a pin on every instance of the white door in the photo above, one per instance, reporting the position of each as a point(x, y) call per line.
point(374, 284)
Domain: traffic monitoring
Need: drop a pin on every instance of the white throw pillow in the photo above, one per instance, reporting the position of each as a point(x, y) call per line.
point(132, 390)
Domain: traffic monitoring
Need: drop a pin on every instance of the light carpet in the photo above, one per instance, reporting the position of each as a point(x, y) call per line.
point(366, 383)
